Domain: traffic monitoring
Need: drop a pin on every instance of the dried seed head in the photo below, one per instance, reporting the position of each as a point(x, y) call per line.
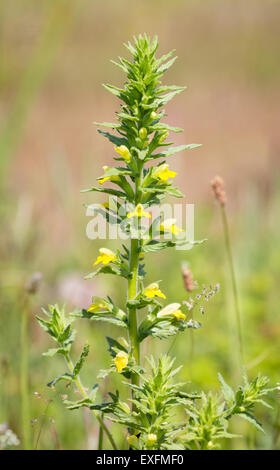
point(188, 279)
point(33, 283)
point(218, 187)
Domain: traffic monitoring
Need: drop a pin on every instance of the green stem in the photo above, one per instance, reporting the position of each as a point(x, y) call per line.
point(25, 414)
point(233, 280)
point(132, 291)
point(133, 283)
point(84, 394)
point(100, 436)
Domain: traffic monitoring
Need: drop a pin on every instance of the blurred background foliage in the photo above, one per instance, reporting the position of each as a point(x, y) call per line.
point(54, 56)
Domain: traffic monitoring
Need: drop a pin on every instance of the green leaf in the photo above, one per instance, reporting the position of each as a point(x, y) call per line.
point(114, 346)
point(117, 171)
point(166, 189)
point(109, 269)
point(114, 139)
point(164, 127)
point(157, 245)
point(113, 192)
point(67, 376)
point(251, 418)
point(172, 150)
point(74, 405)
point(81, 360)
point(51, 352)
point(111, 125)
point(227, 391)
point(167, 65)
point(101, 317)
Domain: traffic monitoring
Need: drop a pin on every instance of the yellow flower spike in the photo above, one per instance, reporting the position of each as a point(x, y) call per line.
point(153, 290)
point(96, 307)
point(124, 152)
point(163, 137)
point(139, 212)
point(151, 439)
point(121, 361)
point(162, 172)
point(105, 256)
point(169, 226)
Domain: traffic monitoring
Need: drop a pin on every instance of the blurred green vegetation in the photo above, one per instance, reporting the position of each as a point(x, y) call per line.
point(54, 57)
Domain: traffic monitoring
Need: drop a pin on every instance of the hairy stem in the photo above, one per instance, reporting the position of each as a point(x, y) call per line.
point(133, 284)
point(84, 394)
point(132, 291)
point(233, 280)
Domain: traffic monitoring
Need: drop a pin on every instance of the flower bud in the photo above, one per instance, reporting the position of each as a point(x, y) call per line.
point(152, 438)
point(143, 133)
point(154, 115)
point(124, 152)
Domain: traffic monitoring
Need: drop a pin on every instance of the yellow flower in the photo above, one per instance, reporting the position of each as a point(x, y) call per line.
point(179, 315)
point(172, 310)
point(133, 440)
point(169, 226)
point(153, 290)
point(102, 180)
point(139, 212)
point(121, 360)
point(112, 178)
point(97, 307)
point(106, 256)
point(162, 172)
point(152, 438)
point(163, 137)
point(124, 152)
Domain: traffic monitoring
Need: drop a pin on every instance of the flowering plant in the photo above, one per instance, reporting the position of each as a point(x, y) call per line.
point(142, 179)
